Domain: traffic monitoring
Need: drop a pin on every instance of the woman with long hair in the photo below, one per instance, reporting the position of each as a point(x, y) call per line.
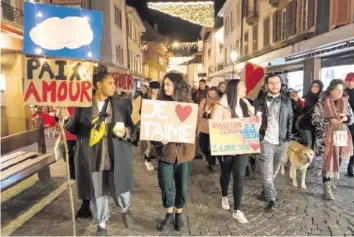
point(173, 158)
point(206, 108)
point(233, 105)
point(307, 130)
point(333, 113)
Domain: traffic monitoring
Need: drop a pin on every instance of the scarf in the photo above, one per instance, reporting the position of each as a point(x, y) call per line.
point(100, 159)
point(333, 153)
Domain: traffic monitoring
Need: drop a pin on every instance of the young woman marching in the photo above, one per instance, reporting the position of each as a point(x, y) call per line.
point(233, 105)
point(104, 162)
point(206, 109)
point(173, 158)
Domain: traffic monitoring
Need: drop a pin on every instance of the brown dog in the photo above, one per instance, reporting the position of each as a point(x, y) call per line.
point(300, 158)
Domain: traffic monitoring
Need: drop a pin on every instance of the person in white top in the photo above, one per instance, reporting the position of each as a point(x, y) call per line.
point(233, 105)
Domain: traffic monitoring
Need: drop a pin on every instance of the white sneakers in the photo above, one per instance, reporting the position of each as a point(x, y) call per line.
point(149, 166)
point(225, 203)
point(238, 215)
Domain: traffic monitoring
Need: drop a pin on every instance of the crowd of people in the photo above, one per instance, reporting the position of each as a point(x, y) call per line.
point(104, 166)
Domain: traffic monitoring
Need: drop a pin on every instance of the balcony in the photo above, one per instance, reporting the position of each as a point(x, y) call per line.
point(11, 13)
point(252, 17)
point(274, 3)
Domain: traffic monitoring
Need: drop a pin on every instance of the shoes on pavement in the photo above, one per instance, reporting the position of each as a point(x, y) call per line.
point(149, 165)
point(178, 221)
point(238, 215)
point(270, 206)
point(225, 203)
point(127, 219)
point(169, 219)
point(84, 212)
point(101, 231)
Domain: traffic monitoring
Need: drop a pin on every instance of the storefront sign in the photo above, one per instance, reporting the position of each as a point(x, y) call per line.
point(234, 136)
point(63, 32)
point(124, 82)
point(168, 121)
point(58, 82)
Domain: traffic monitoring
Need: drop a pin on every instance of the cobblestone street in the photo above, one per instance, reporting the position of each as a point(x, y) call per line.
point(298, 212)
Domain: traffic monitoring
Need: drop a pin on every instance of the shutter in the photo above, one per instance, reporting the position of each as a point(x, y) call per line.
point(274, 27)
point(288, 20)
point(344, 10)
point(292, 14)
point(311, 13)
point(279, 12)
point(339, 13)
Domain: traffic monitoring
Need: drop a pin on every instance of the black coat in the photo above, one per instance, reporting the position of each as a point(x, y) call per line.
point(120, 151)
point(286, 118)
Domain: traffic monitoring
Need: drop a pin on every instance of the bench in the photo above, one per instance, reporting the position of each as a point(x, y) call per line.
point(20, 165)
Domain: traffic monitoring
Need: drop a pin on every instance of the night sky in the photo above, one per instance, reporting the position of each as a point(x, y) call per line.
point(171, 27)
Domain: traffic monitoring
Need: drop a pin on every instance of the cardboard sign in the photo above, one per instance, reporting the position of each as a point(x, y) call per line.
point(63, 32)
point(253, 76)
point(124, 82)
point(234, 136)
point(136, 110)
point(168, 121)
point(58, 82)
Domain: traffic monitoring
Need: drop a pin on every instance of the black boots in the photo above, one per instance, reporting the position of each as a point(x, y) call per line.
point(350, 169)
point(84, 212)
point(169, 219)
point(270, 206)
point(178, 222)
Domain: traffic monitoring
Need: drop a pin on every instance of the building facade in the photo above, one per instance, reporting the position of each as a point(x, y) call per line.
point(300, 38)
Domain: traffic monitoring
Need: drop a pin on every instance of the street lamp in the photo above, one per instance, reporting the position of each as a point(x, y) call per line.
point(234, 56)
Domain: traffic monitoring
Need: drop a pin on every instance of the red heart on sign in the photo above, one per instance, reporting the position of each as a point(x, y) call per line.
point(183, 112)
point(252, 76)
point(255, 146)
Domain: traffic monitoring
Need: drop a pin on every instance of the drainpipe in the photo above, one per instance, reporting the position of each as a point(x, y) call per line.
point(242, 18)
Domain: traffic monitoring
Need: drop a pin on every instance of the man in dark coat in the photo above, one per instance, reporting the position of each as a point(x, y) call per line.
point(349, 81)
point(106, 166)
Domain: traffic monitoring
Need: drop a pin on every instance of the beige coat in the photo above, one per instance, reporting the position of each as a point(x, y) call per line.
point(222, 110)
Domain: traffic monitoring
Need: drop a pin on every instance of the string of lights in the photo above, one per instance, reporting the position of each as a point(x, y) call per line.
point(201, 13)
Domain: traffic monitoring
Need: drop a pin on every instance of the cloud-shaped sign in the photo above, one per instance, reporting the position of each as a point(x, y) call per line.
point(55, 33)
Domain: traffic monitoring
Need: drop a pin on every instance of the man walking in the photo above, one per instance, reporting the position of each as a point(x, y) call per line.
point(275, 133)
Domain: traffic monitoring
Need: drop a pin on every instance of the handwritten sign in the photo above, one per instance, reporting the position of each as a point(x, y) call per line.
point(168, 121)
point(124, 82)
point(58, 82)
point(234, 136)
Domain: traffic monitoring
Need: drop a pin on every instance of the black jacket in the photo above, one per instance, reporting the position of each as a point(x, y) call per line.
point(286, 118)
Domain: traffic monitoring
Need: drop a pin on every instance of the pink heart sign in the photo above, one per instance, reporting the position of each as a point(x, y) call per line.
point(255, 146)
point(183, 112)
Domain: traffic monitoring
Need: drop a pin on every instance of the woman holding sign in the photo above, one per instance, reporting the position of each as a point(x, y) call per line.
point(103, 156)
point(233, 105)
point(173, 158)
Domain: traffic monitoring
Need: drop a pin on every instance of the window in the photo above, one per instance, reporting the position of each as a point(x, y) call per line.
point(128, 58)
point(118, 54)
point(304, 17)
point(255, 38)
point(283, 24)
point(266, 33)
point(118, 16)
point(225, 57)
point(232, 21)
point(237, 47)
point(238, 15)
point(245, 45)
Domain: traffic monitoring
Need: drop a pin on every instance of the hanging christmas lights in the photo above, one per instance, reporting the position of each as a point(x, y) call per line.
point(201, 13)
